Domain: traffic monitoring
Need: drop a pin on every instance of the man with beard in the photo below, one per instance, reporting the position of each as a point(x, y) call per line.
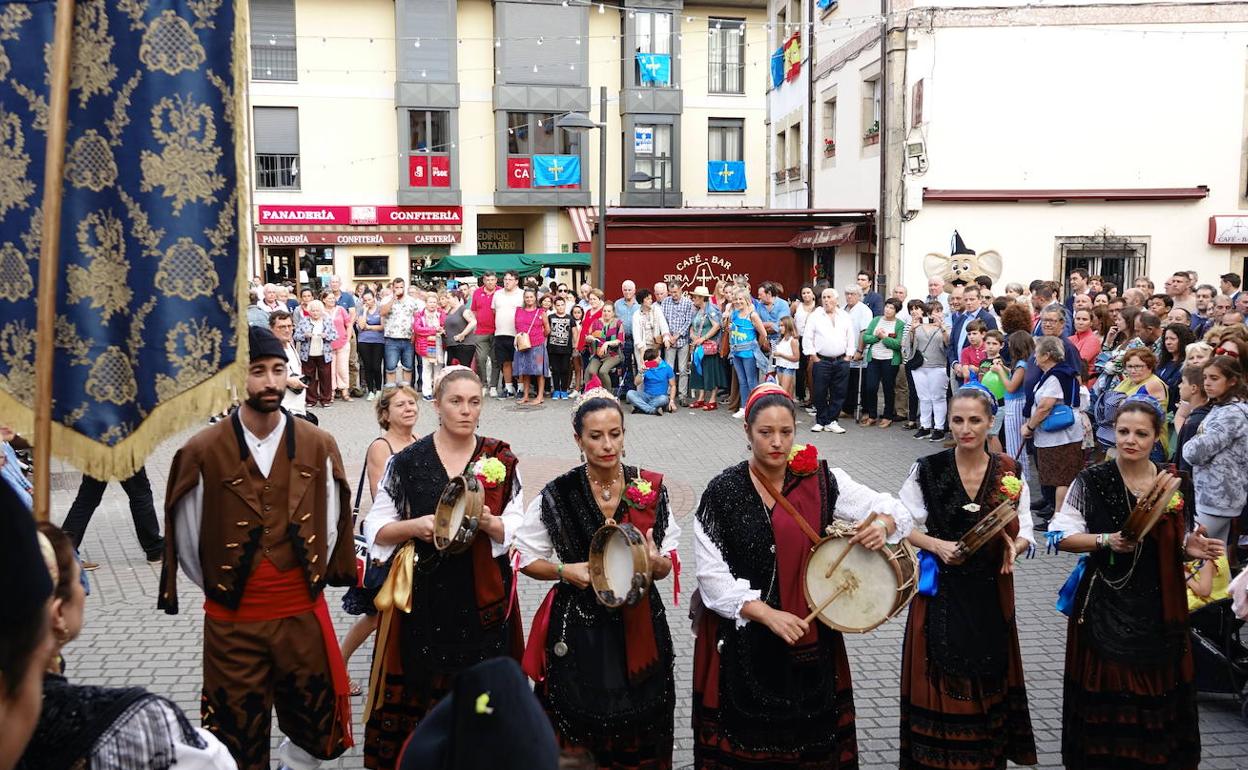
point(257, 516)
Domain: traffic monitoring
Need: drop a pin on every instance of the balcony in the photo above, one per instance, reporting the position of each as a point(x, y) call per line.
point(274, 62)
point(277, 172)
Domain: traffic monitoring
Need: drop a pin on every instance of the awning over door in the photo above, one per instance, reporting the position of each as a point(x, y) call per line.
point(823, 237)
point(523, 264)
point(581, 216)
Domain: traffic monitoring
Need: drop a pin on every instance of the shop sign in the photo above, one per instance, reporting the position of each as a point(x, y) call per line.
point(519, 173)
point(1228, 230)
point(354, 239)
point(697, 270)
point(643, 140)
point(359, 215)
point(492, 240)
point(429, 171)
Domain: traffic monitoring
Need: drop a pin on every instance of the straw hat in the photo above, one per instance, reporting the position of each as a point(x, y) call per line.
point(702, 291)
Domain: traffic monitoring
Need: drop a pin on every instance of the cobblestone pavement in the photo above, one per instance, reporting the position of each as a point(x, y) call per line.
point(128, 642)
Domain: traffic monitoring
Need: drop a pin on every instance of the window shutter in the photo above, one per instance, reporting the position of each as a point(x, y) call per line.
point(273, 20)
point(276, 130)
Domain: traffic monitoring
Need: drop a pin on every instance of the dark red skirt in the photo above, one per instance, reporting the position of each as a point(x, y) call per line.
point(979, 730)
point(393, 719)
point(712, 750)
point(1118, 716)
point(648, 747)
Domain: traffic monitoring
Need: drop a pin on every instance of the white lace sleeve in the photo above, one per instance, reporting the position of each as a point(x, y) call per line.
point(513, 518)
point(1026, 525)
point(532, 540)
point(1070, 519)
point(721, 593)
point(671, 538)
point(854, 502)
point(381, 513)
point(911, 496)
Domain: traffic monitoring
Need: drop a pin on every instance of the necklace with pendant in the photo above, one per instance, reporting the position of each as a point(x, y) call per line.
point(606, 488)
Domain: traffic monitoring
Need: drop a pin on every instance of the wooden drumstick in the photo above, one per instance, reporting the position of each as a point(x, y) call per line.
point(865, 523)
point(850, 584)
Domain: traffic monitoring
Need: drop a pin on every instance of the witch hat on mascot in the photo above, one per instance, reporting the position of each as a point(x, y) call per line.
point(958, 247)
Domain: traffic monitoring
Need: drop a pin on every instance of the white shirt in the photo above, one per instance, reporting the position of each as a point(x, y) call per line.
point(1051, 388)
point(533, 541)
point(861, 315)
point(830, 337)
point(383, 512)
point(725, 595)
point(295, 403)
point(505, 304)
point(911, 495)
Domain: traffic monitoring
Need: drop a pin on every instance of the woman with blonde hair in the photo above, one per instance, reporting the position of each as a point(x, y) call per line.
point(315, 335)
point(396, 409)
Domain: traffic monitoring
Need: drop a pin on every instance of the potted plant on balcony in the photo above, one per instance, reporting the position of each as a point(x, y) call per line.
point(872, 136)
point(829, 148)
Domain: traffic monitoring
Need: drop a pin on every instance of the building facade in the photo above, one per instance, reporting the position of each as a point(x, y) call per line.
point(1109, 137)
point(390, 133)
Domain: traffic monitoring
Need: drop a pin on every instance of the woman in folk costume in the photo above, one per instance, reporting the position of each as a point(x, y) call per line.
point(963, 697)
point(769, 688)
point(457, 609)
point(603, 675)
point(1129, 698)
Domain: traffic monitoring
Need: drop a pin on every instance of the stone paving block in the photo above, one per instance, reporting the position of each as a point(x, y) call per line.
point(127, 641)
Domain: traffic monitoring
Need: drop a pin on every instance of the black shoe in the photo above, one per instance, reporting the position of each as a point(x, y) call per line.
point(156, 556)
point(923, 433)
point(910, 425)
point(636, 410)
point(937, 435)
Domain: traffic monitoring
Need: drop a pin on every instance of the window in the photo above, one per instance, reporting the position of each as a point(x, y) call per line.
point(372, 267)
point(871, 108)
point(430, 144)
point(782, 25)
point(726, 139)
point(652, 155)
point(726, 56)
point(829, 127)
point(273, 40)
point(795, 151)
point(276, 139)
point(652, 64)
point(1120, 259)
point(534, 133)
point(782, 158)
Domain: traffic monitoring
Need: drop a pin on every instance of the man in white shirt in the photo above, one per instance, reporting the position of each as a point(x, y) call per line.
point(860, 313)
point(504, 303)
point(295, 400)
point(829, 337)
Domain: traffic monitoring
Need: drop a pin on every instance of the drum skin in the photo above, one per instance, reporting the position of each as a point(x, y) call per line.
point(458, 514)
point(886, 582)
point(619, 565)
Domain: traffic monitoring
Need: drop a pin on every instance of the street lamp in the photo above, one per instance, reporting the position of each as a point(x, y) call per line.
point(641, 177)
point(582, 123)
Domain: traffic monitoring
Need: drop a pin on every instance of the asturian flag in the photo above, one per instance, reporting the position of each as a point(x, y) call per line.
point(725, 175)
point(656, 68)
point(150, 327)
point(556, 170)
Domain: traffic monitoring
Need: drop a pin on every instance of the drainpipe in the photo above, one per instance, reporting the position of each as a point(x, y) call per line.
point(810, 104)
point(882, 212)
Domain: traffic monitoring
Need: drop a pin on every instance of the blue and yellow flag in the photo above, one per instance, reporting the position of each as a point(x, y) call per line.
point(152, 263)
point(556, 170)
point(655, 68)
point(725, 175)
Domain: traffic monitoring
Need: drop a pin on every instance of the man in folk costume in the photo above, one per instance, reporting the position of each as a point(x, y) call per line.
point(255, 515)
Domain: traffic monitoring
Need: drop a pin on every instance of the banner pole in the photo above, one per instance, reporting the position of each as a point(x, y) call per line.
point(49, 252)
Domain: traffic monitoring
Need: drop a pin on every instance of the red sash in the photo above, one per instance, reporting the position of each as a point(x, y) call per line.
point(793, 547)
point(271, 594)
point(487, 578)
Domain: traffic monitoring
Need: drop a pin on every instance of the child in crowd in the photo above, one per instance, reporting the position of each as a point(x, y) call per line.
point(1193, 408)
point(559, 346)
point(993, 364)
point(1022, 346)
point(974, 353)
point(787, 355)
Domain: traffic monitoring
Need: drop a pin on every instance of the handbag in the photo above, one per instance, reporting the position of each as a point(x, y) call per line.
point(1060, 418)
point(710, 347)
point(523, 341)
point(369, 572)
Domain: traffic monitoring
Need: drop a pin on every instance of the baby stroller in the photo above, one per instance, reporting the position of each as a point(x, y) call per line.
point(1221, 656)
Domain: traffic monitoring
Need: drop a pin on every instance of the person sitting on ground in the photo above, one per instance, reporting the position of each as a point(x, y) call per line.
point(657, 383)
point(121, 728)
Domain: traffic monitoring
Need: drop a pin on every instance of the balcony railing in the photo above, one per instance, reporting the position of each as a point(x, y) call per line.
point(274, 62)
point(277, 172)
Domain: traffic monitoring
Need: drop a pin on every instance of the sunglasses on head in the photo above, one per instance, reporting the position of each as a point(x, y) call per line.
point(1221, 351)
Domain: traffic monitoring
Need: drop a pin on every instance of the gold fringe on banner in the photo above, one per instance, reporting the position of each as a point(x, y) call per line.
point(212, 396)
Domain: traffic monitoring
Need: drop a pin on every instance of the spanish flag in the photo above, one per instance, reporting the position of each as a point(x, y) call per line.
point(793, 57)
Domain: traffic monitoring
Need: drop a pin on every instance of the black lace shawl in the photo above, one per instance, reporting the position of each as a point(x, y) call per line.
point(96, 726)
point(1127, 623)
point(773, 698)
point(968, 634)
point(588, 690)
point(444, 632)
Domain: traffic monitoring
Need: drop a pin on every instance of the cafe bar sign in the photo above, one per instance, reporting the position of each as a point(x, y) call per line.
point(269, 216)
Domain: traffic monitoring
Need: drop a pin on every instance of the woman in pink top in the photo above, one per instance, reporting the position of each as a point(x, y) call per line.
point(426, 332)
point(341, 371)
point(531, 363)
point(1087, 342)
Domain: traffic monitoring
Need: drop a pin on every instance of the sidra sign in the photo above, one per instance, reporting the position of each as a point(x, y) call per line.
point(698, 270)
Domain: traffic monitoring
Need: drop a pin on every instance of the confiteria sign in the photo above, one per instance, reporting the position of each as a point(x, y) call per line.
point(359, 215)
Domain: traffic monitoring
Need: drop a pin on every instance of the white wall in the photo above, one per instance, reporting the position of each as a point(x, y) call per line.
point(1078, 107)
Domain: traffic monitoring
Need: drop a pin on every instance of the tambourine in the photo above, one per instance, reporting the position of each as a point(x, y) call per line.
point(619, 565)
point(986, 529)
point(458, 514)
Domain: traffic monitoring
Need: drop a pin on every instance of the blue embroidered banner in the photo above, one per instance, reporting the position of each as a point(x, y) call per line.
point(556, 170)
point(655, 68)
point(152, 278)
point(725, 175)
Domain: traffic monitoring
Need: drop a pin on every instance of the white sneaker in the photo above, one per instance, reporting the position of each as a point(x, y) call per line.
point(372, 396)
point(816, 428)
point(493, 392)
point(811, 410)
point(739, 414)
point(834, 427)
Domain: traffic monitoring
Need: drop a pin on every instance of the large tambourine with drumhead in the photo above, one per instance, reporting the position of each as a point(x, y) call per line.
point(619, 565)
point(853, 589)
point(458, 515)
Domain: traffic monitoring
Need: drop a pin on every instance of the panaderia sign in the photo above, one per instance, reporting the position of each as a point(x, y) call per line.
point(359, 215)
